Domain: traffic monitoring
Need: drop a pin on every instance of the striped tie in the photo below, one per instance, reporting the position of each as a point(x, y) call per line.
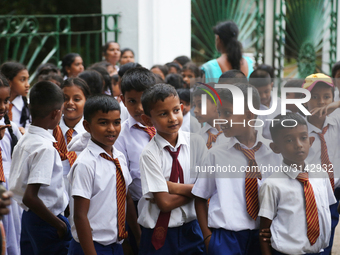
point(324, 156)
point(10, 114)
point(151, 131)
point(61, 147)
point(251, 185)
point(2, 175)
point(121, 197)
point(313, 229)
point(69, 134)
point(212, 138)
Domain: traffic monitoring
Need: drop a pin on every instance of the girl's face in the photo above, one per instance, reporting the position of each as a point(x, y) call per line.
point(76, 67)
point(74, 103)
point(127, 57)
point(4, 101)
point(19, 85)
point(188, 78)
point(112, 54)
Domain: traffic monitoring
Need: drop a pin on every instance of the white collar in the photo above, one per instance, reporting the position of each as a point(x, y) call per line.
point(41, 132)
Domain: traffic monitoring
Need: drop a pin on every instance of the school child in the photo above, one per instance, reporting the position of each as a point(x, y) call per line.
point(230, 224)
point(232, 76)
point(303, 224)
point(169, 224)
point(190, 73)
point(9, 135)
point(76, 91)
point(94, 80)
point(175, 80)
point(161, 70)
point(100, 173)
point(212, 134)
point(72, 65)
point(17, 76)
point(55, 78)
point(36, 177)
point(336, 80)
point(264, 84)
point(324, 151)
point(294, 83)
point(190, 123)
point(127, 56)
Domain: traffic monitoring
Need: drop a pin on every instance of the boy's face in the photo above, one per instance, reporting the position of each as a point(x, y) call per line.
point(265, 94)
point(133, 103)
point(186, 107)
point(320, 96)
point(104, 129)
point(226, 112)
point(167, 117)
point(293, 144)
point(211, 110)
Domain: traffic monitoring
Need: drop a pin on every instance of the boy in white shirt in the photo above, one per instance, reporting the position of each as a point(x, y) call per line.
point(166, 210)
point(99, 184)
point(230, 224)
point(303, 224)
point(36, 177)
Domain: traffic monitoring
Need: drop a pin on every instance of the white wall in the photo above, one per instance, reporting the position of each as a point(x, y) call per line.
point(157, 30)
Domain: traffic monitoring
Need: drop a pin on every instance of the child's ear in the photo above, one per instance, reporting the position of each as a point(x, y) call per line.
point(311, 140)
point(274, 148)
point(55, 114)
point(86, 125)
point(182, 107)
point(147, 120)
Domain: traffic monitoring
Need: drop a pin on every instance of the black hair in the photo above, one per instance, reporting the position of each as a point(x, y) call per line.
point(47, 68)
point(226, 95)
point(94, 80)
point(290, 119)
point(105, 74)
point(184, 94)
point(335, 68)
point(67, 61)
point(193, 68)
point(232, 76)
point(45, 97)
point(106, 46)
point(174, 80)
point(182, 60)
point(175, 65)
point(10, 70)
point(267, 68)
point(14, 139)
point(127, 66)
point(80, 83)
point(199, 91)
point(164, 69)
point(125, 50)
point(295, 83)
point(104, 103)
point(138, 79)
point(115, 78)
point(228, 33)
point(52, 76)
point(104, 63)
point(155, 93)
point(260, 78)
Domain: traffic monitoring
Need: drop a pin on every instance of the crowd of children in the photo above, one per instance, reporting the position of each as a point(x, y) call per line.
point(119, 159)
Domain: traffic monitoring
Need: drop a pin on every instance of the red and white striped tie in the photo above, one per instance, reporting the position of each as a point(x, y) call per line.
point(151, 131)
point(69, 134)
point(212, 138)
point(313, 229)
point(251, 185)
point(61, 147)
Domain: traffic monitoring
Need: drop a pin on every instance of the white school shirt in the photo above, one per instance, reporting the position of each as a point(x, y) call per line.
point(227, 207)
point(94, 177)
point(155, 168)
point(18, 104)
point(37, 161)
point(5, 144)
point(131, 142)
point(78, 129)
point(282, 200)
point(332, 139)
point(190, 124)
point(79, 142)
point(336, 94)
point(204, 133)
point(267, 123)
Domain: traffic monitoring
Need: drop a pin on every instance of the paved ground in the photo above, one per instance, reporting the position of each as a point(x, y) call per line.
point(336, 245)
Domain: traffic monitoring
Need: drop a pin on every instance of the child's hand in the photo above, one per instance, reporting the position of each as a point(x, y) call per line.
point(5, 201)
point(62, 230)
point(3, 129)
point(265, 235)
point(170, 187)
point(206, 242)
point(325, 110)
point(22, 130)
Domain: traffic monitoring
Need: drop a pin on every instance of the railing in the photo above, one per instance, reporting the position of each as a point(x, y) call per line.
point(34, 40)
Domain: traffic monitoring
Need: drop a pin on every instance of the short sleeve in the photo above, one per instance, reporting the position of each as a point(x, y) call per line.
point(267, 201)
point(330, 193)
point(41, 168)
point(152, 177)
point(81, 179)
point(121, 146)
